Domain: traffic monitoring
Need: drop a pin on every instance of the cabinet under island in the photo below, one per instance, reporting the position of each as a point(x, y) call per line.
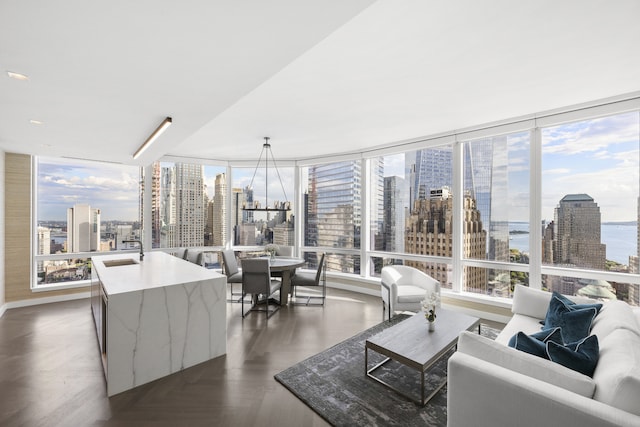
point(155, 317)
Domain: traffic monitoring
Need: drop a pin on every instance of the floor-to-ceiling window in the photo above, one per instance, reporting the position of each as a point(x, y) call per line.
point(333, 214)
point(188, 205)
point(81, 207)
point(415, 218)
point(496, 211)
point(547, 202)
point(262, 206)
point(589, 205)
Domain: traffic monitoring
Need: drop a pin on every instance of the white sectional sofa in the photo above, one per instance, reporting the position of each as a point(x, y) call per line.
point(491, 384)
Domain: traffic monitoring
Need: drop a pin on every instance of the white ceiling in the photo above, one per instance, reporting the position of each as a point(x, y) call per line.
point(318, 77)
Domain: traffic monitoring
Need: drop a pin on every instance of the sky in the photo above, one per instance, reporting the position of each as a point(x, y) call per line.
point(109, 187)
point(599, 157)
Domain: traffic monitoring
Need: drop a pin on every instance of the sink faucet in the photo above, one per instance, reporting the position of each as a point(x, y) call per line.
point(138, 242)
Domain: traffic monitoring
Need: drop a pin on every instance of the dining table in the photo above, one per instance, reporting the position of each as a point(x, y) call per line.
point(285, 267)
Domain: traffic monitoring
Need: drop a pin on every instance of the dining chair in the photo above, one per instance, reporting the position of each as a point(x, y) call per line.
point(285, 251)
point(194, 256)
point(257, 281)
point(233, 273)
point(310, 279)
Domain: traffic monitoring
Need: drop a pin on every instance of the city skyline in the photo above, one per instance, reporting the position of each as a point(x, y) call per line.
point(599, 156)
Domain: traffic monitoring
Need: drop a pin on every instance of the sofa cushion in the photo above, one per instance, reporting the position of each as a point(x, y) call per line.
point(558, 304)
point(518, 323)
point(581, 356)
point(530, 302)
point(575, 322)
point(617, 374)
point(526, 364)
point(536, 343)
point(614, 315)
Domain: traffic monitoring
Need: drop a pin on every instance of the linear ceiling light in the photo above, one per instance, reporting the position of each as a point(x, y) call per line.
point(17, 76)
point(156, 133)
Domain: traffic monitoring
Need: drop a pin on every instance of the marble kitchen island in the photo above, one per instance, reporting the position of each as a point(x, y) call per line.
point(155, 317)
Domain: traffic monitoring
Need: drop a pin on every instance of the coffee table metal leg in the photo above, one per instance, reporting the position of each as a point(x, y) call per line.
point(423, 401)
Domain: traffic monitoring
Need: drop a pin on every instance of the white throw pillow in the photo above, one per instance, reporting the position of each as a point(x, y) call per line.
point(530, 302)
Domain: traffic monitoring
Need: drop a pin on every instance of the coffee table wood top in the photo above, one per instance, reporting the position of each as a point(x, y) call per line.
point(410, 342)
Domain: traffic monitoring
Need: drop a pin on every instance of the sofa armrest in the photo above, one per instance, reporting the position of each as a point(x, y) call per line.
point(481, 393)
point(524, 363)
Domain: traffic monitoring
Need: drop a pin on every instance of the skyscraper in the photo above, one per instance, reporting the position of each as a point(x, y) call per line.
point(334, 217)
point(83, 228)
point(167, 207)
point(394, 197)
point(429, 169)
point(577, 221)
point(217, 218)
point(429, 232)
point(189, 179)
point(486, 181)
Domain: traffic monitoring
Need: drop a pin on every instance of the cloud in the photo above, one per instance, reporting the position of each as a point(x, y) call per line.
point(558, 171)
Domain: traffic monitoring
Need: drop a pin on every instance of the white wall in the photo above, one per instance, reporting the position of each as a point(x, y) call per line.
point(2, 234)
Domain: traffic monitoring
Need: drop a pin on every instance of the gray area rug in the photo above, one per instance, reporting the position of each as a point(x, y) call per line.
point(333, 383)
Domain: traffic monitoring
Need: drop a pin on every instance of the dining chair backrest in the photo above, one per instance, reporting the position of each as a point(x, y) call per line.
point(320, 268)
point(285, 251)
point(230, 263)
point(256, 275)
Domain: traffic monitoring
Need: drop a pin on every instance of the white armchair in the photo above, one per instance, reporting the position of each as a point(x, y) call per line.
point(403, 288)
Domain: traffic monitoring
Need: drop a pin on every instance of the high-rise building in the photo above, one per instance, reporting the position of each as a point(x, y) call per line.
point(486, 181)
point(156, 201)
point(577, 232)
point(167, 207)
point(237, 202)
point(217, 218)
point(189, 179)
point(429, 232)
point(83, 228)
point(334, 217)
point(394, 202)
point(429, 169)
point(44, 241)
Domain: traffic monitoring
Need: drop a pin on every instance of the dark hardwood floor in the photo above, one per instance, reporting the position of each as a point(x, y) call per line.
point(51, 374)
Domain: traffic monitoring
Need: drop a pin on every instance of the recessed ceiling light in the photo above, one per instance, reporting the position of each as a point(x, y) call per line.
point(17, 76)
point(35, 122)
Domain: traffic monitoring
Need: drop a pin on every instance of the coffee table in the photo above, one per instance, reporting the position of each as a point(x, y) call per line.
point(411, 344)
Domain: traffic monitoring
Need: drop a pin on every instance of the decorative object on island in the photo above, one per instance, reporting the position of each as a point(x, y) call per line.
point(429, 304)
point(271, 249)
point(277, 205)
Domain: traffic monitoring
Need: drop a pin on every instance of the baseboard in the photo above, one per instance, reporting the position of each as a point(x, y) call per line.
point(44, 300)
point(353, 288)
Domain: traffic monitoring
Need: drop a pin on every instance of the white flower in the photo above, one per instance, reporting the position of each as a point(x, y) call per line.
point(429, 304)
point(271, 249)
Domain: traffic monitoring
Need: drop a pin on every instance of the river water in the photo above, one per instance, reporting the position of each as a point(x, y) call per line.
point(620, 240)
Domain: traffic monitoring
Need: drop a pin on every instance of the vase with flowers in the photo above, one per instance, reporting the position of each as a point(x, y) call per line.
point(429, 304)
point(271, 249)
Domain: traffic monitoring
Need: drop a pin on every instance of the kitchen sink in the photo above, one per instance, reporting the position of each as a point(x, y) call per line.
point(119, 262)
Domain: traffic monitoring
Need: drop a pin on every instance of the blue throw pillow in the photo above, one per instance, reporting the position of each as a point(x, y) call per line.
point(557, 299)
point(536, 343)
point(581, 356)
point(575, 322)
